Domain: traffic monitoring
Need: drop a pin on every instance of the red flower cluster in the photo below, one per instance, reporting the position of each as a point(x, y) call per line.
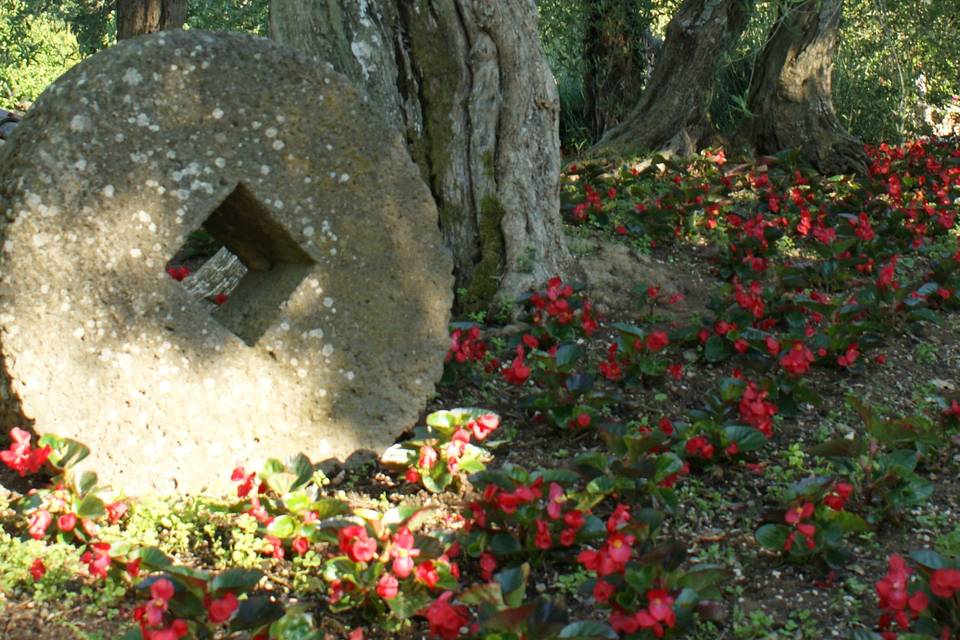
point(807, 530)
point(797, 359)
point(517, 373)
point(178, 273)
point(898, 605)
point(699, 446)
point(97, 559)
point(617, 549)
point(837, 499)
point(446, 619)
point(658, 614)
point(945, 582)
point(756, 410)
point(21, 457)
point(466, 346)
point(355, 542)
point(151, 615)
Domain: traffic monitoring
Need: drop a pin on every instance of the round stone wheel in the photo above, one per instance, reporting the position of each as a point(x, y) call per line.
point(333, 338)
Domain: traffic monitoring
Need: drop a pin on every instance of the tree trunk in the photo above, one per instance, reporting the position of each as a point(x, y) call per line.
point(136, 17)
point(791, 98)
point(618, 56)
point(467, 83)
point(672, 113)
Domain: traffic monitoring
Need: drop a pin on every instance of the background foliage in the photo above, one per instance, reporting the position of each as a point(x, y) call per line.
point(896, 58)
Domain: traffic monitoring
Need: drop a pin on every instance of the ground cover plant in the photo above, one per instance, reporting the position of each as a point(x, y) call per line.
point(777, 462)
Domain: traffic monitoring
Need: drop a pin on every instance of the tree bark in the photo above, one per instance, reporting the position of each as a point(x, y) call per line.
point(619, 50)
point(137, 17)
point(791, 98)
point(672, 113)
point(467, 83)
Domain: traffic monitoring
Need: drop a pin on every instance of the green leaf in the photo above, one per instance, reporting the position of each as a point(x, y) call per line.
point(133, 634)
point(840, 448)
point(772, 536)
point(154, 559)
point(408, 603)
point(255, 612)
point(281, 482)
point(513, 584)
point(747, 438)
point(236, 579)
point(91, 507)
point(702, 577)
point(330, 507)
point(282, 527)
point(560, 476)
point(588, 629)
point(849, 522)
point(302, 468)
point(65, 452)
point(716, 349)
point(485, 593)
point(86, 481)
point(863, 634)
point(504, 544)
point(568, 354)
point(928, 558)
point(901, 462)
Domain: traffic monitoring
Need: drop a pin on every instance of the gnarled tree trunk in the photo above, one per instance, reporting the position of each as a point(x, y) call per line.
point(791, 98)
point(467, 84)
point(136, 17)
point(672, 112)
point(619, 50)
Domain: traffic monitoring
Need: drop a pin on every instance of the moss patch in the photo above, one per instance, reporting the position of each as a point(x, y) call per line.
point(485, 283)
point(436, 57)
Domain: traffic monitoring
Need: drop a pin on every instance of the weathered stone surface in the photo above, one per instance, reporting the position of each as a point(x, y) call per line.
point(331, 342)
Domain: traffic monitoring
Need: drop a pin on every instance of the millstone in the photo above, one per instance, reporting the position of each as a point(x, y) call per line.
point(334, 336)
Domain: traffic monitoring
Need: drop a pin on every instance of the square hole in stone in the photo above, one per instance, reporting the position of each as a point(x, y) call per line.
point(242, 263)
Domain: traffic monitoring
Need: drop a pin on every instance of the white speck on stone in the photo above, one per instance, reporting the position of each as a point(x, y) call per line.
point(271, 132)
point(351, 375)
point(217, 113)
point(108, 191)
point(143, 216)
point(220, 162)
point(328, 302)
point(136, 253)
point(301, 373)
point(143, 120)
point(264, 169)
point(132, 77)
point(80, 165)
point(344, 177)
point(278, 145)
point(308, 231)
point(39, 239)
point(327, 350)
point(44, 289)
point(80, 123)
point(78, 332)
point(315, 333)
point(418, 381)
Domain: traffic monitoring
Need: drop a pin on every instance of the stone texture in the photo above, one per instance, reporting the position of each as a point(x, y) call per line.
point(331, 342)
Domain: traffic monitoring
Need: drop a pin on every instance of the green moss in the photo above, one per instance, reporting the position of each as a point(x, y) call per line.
point(436, 57)
point(488, 165)
point(485, 282)
point(450, 215)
